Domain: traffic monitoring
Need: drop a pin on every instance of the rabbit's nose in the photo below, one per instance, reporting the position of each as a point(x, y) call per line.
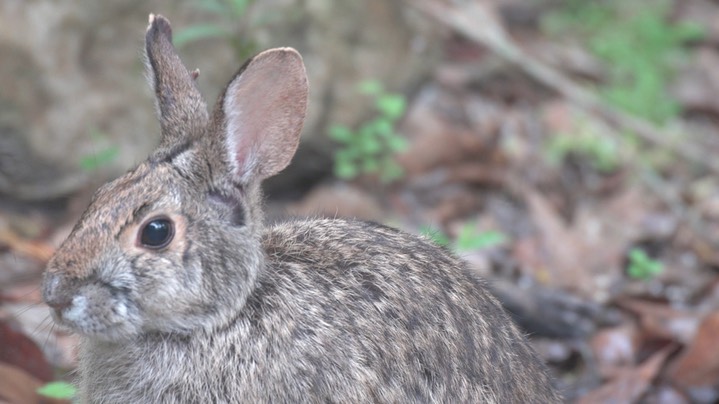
point(62, 302)
point(53, 294)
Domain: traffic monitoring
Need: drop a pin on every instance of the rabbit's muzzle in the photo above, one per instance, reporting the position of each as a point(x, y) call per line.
point(57, 296)
point(88, 306)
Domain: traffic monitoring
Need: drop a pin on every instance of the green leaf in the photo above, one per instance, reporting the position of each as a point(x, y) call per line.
point(641, 266)
point(345, 170)
point(392, 105)
point(347, 154)
point(341, 133)
point(383, 126)
point(58, 390)
point(370, 165)
point(370, 87)
point(100, 159)
point(390, 171)
point(239, 7)
point(689, 31)
point(370, 145)
point(469, 239)
point(197, 32)
point(213, 6)
point(397, 143)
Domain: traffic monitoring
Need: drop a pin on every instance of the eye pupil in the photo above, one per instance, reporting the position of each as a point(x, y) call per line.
point(157, 233)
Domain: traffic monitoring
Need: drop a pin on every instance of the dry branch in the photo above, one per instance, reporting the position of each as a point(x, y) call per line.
point(478, 21)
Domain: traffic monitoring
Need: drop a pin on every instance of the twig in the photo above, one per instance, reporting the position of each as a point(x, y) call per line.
point(39, 251)
point(477, 21)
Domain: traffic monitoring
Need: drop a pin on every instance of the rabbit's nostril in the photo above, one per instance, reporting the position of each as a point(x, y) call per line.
point(60, 303)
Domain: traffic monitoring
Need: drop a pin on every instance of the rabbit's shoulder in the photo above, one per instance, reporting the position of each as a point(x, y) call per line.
point(333, 241)
point(345, 254)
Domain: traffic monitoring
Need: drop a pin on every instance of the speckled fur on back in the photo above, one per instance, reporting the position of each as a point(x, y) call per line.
point(225, 310)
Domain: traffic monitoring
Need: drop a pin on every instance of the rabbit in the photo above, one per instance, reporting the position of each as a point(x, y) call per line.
point(180, 294)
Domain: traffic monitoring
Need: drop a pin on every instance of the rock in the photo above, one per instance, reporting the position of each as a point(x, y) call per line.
point(73, 85)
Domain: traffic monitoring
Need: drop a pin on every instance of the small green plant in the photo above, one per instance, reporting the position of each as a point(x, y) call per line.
point(58, 390)
point(370, 149)
point(601, 151)
point(469, 238)
point(641, 266)
point(230, 25)
point(103, 157)
point(639, 46)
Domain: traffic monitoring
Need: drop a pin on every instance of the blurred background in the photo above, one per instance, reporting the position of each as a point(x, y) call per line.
point(567, 149)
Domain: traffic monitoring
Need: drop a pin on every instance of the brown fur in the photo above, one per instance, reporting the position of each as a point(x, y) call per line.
point(230, 311)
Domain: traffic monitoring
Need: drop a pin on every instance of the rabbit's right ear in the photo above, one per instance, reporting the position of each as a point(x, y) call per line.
point(181, 108)
point(260, 115)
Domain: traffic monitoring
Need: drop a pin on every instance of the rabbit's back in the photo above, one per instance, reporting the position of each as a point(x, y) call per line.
point(389, 317)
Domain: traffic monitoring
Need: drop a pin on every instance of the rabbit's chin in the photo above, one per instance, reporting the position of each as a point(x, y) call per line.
point(116, 333)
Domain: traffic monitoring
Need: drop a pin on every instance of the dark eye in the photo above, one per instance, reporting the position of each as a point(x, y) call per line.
point(157, 233)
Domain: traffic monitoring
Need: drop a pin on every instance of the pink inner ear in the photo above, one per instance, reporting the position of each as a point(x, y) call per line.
point(264, 110)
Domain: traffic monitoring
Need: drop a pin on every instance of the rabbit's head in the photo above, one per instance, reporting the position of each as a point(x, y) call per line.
point(174, 244)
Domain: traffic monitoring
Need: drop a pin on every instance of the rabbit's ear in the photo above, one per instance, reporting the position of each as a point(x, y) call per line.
point(181, 108)
point(261, 114)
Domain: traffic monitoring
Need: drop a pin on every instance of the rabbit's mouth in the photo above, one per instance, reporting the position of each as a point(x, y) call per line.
point(112, 319)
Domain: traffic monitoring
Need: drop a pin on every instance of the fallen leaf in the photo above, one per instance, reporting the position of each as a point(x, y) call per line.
point(35, 249)
point(615, 347)
point(18, 350)
point(666, 395)
point(698, 365)
point(25, 293)
point(629, 384)
point(18, 387)
point(661, 320)
point(559, 246)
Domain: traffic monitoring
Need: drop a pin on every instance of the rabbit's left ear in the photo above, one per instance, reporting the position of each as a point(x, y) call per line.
point(181, 108)
point(259, 117)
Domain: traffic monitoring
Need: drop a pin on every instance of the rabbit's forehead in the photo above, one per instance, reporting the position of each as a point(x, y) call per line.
point(121, 201)
point(118, 201)
point(114, 207)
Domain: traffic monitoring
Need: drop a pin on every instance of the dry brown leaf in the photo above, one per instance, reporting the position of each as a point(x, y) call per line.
point(18, 387)
point(698, 365)
point(465, 202)
point(35, 249)
point(476, 173)
point(28, 293)
point(559, 117)
point(697, 84)
point(615, 347)
point(662, 321)
point(666, 395)
point(559, 246)
point(629, 384)
point(439, 139)
point(586, 255)
point(19, 350)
